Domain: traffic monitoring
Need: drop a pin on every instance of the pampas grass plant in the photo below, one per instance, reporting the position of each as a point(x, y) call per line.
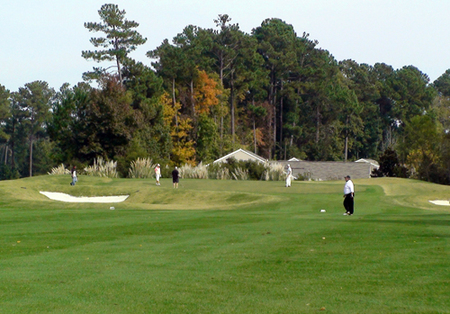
point(141, 168)
point(198, 172)
point(223, 174)
point(61, 169)
point(274, 172)
point(100, 168)
point(240, 174)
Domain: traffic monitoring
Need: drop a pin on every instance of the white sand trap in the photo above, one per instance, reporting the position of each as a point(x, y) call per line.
point(443, 203)
point(84, 199)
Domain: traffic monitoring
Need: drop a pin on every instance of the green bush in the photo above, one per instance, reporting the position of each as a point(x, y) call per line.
point(238, 170)
point(255, 169)
point(7, 173)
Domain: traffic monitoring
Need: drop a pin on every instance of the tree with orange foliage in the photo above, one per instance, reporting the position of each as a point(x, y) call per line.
point(206, 93)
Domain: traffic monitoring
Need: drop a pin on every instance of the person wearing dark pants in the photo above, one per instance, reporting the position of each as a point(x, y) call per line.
point(349, 194)
point(175, 178)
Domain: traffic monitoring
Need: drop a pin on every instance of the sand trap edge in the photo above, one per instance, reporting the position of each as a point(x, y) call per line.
point(63, 197)
point(442, 203)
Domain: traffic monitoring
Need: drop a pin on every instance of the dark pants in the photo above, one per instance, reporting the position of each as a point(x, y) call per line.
point(349, 203)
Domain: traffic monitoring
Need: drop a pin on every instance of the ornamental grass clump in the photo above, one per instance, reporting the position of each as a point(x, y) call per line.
point(274, 172)
point(240, 174)
point(100, 168)
point(190, 172)
point(141, 168)
point(223, 174)
point(61, 169)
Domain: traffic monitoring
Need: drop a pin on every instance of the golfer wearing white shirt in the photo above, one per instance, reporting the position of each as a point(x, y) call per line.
point(288, 176)
point(157, 174)
point(349, 193)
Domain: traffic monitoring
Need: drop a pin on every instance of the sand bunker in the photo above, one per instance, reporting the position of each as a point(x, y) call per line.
point(443, 203)
point(62, 197)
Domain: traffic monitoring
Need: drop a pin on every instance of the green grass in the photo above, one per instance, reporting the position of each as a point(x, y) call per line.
point(224, 247)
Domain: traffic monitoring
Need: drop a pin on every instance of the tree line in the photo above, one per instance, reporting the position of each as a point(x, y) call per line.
point(207, 92)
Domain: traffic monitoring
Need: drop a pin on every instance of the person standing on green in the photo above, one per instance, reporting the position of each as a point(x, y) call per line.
point(175, 177)
point(349, 194)
point(74, 175)
point(157, 174)
point(288, 176)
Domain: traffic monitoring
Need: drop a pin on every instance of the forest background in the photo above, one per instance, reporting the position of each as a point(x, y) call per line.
point(208, 92)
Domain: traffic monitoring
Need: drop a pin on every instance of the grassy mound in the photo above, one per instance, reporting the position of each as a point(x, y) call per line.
point(144, 194)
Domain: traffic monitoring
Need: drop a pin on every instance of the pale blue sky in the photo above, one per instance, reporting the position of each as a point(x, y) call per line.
point(43, 39)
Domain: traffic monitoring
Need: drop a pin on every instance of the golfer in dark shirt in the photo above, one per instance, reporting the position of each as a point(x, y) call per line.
point(175, 177)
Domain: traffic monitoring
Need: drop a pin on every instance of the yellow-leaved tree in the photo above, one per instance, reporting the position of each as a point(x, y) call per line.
point(183, 151)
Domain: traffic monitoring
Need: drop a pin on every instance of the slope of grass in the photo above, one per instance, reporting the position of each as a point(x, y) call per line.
point(242, 247)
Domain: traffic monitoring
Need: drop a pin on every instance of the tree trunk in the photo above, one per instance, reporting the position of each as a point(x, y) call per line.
point(274, 101)
point(119, 70)
point(174, 101)
point(254, 132)
point(317, 123)
point(274, 128)
point(346, 148)
point(274, 119)
point(31, 156)
point(281, 118)
point(346, 140)
point(6, 153)
point(221, 68)
point(192, 98)
point(13, 163)
point(233, 130)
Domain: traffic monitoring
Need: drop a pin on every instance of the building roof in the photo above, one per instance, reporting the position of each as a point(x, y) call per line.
point(369, 161)
point(250, 155)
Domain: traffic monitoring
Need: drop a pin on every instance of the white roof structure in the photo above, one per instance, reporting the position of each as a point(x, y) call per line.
point(241, 154)
point(294, 159)
point(372, 162)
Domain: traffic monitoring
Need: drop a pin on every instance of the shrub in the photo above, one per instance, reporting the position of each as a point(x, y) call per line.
point(246, 170)
point(166, 171)
point(7, 173)
point(254, 169)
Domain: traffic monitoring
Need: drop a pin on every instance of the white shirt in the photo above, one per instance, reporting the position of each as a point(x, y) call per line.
point(349, 187)
point(158, 171)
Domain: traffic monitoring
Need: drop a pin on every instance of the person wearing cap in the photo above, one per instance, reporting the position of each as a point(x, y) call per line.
point(288, 176)
point(175, 177)
point(74, 175)
point(157, 174)
point(349, 194)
